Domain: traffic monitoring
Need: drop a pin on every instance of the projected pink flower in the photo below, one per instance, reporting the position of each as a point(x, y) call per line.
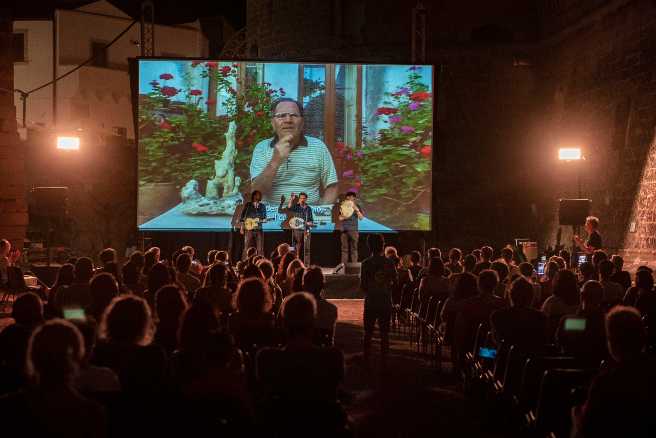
point(354, 189)
point(386, 111)
point(395, 119)
point(195, 92)
point(199, 147)
point(359, 154)
point(403, 91)
point(407, 129)
point(414, 106)
point(426, 151)
point(348, 173)
point(166, 76)
point(169, 91)
point(225, 71)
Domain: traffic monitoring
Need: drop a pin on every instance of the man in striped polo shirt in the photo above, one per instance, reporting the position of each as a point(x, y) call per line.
point(291, 162)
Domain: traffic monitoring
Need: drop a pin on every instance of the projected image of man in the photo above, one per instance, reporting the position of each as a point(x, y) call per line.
point(291, 161)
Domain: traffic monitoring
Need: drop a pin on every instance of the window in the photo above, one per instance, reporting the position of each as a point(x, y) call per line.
point(18, 47)
point(99, 53)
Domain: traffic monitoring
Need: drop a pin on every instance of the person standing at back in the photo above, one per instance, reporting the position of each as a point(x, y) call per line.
point(378, 278)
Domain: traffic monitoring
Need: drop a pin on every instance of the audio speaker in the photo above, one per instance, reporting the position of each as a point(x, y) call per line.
point(574, 211)
point(50, 201)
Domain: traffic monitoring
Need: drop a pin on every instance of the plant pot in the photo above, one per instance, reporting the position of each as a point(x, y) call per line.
point(155, 199)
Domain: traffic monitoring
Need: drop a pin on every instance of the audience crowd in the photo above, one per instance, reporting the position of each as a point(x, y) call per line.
point(160, 345)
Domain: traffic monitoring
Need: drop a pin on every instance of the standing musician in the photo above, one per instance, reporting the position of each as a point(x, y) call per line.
point(252, 217)
point(594, 238)
point(350, 212)
point(298, 208)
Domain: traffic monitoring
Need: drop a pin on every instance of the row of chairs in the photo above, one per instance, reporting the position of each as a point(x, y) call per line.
point(531, 392)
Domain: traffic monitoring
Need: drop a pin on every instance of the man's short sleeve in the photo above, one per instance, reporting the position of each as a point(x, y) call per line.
point(259, 159)
point(328, 172)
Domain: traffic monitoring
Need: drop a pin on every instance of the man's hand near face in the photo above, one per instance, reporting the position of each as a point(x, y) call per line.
point(284, 147)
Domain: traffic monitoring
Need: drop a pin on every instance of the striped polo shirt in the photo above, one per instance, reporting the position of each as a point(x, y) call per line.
point(309, 168)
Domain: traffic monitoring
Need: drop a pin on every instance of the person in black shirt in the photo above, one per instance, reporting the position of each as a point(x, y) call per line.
point(298, 207)
point(349, 231)
point(254, 210)
point(378, 278)
point(593, 242)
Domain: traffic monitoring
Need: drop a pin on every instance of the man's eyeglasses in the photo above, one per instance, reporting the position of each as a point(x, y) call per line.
point(280, 116)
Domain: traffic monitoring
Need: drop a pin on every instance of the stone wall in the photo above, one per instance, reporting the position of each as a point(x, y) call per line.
point(13, 206)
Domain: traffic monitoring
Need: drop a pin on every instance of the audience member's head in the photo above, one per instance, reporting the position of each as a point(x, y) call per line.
point(391, 252)
point(293, 267)
point(376, 243)
point(560, 261)
point(606, 269)
point(284, 263)
point(434, 252)
point(54, 353)
point(551, 270)
point(170, 302)
point(107, 255)
point(103, 289)
point(598, 256)
point(283, 249)
point(127, 320)
point(566, 287)
point(114, 269)
point(478, 254)
point(297, 281)
point(183, 263)
point(488, 280)
point(137, 258)
point(455, 255)
point(222, 257)
point(130, 273)
point(469, 263)
point(487, 253)
point(299, 311)
point(253, 297)
point(65, 275)
point(252, 271)
point(507, 254)
point(521, 293)
point(465, 286)
point(188, 249)
point(150, 259)
point(251, 252)
point(502, 270)
point(436, 267)
point(592, 294)
point(267, 268)
point(618, 262)
point(157, 277)
point(313, 281)
point(415, 258)
point(587, 271)
point(565, 255)
point(83, 270)
point(27, 310)
point(526, 269)
point(211, 256)
point(197, 327)
point(644, 280)
point(5, 247)
point(625, 333)
point(216, 276)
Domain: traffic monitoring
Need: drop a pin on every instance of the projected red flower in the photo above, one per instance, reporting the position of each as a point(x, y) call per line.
point(169, 91)
point(166, 76)
point(165, 125)
point(199, 147)
point(225, 71)
point(420, 96)
point(195, 92)
point(386, 111)
point(211, 64)
point(426, 151)
point(259, 113)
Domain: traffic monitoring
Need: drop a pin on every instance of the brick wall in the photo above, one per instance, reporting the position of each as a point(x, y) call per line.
point(13, 207)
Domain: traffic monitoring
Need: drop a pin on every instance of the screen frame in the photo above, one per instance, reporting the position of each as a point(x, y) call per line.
point(134, 80)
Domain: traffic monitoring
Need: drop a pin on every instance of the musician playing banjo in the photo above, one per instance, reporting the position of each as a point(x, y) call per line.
point(349, 215)
point(301, 221)
point(252, 217)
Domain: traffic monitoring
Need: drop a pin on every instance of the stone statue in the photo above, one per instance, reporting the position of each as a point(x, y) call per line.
point(224, 176)
point(224, 169)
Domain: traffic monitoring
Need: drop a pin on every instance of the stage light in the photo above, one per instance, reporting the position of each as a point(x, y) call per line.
point(570, 154)
point(68, 143)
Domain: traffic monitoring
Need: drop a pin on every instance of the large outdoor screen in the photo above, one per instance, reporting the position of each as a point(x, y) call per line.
point(207, 136)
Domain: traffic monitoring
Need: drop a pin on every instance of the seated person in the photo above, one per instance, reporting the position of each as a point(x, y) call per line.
point(78, 294)
point(620, 276)
point(520, 324)
point(313, 282)
point(583, 334)
point(621, 398)
point(301, 377)
point(613, 292)
point(253, 324)
point(52, 406)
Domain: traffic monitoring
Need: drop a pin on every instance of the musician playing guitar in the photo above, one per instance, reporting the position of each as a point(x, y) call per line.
point(298, 208)
point(593, 242)
point(252, 217)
